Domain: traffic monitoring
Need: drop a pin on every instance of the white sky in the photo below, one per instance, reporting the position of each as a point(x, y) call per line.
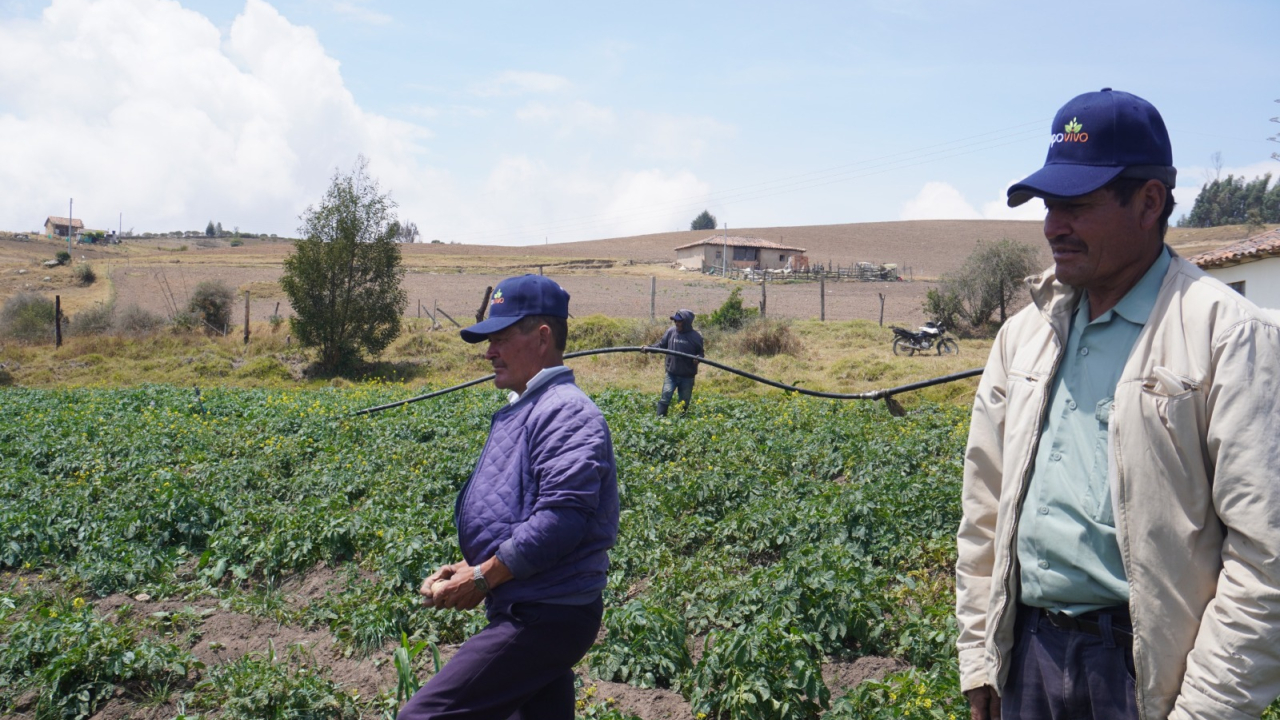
point(511, 124)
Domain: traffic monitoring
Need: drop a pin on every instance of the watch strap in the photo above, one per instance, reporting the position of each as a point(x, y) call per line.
point(477, 575)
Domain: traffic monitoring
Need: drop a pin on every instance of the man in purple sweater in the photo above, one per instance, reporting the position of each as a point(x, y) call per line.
point(535, 524)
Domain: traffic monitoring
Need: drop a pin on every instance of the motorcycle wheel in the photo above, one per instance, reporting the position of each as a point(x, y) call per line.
point(948, 347)
point(902, 347)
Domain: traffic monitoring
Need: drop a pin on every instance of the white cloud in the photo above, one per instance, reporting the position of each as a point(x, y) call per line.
point(570, 118)
point(515, 82)
point(529, 200)
point(359, 11)
point(144, 107)
point(677, 137)
point(938, 201)
point(942, 201)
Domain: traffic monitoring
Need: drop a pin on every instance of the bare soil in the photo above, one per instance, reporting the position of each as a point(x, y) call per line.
point(224, 635)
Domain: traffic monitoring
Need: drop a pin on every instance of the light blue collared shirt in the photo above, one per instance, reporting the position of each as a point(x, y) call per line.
point(1068, 554)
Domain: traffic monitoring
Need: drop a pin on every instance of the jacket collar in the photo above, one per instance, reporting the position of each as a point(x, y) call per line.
point(545, 378)
point(1057, 301)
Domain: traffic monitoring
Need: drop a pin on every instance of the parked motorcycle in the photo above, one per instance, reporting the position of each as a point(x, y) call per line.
point(930, 336)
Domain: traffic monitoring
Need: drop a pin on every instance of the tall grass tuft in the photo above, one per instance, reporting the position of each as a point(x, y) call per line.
point(133, 320)
point(84, 274)
point(96, 320)
point(766, 338)
point(28, 317)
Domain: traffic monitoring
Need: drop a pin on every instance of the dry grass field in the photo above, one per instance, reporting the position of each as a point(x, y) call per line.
point(608, 277)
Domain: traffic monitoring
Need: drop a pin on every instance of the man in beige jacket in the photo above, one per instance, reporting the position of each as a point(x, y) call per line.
point(1119, 554)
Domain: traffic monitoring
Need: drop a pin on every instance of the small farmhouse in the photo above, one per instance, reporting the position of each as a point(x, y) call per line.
point(1251, 267)
point(61, 227)
point(744, 252)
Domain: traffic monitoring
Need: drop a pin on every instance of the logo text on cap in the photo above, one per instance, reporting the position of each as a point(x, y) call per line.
point(1071, 133)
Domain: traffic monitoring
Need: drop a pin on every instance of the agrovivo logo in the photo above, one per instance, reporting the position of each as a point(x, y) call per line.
point(497, 298)
point(1072, 133)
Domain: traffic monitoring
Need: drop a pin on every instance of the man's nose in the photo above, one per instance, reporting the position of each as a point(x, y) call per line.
point(491, 352)
point(1056, 224)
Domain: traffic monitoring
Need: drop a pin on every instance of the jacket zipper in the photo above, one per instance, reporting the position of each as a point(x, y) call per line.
point(1025, 485)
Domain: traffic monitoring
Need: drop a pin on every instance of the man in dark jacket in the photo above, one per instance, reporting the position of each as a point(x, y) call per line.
point(535, 523)
point(680, 337)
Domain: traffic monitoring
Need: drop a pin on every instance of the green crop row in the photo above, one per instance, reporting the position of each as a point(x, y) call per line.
point(767, 534)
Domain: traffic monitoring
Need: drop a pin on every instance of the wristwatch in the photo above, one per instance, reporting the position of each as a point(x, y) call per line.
point(477, 576)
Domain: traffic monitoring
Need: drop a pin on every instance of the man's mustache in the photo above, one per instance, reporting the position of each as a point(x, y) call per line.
point(1067, 243)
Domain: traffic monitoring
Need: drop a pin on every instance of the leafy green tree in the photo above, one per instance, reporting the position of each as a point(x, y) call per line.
point(705, 221)
point(343, 277)
point(1235, 201)
point(210, 230)
point(990, 280)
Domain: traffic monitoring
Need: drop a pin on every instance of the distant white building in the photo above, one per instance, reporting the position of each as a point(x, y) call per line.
point(744, 252)
point(1251, 267)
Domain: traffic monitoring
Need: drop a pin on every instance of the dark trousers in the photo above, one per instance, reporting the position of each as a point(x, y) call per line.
point(676, 384)
point(520, 666)
point(1060, 672)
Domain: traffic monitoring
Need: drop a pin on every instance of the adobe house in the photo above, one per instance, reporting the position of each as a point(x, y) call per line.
point(61, 227)
point(744, 252)
point(1251, 267)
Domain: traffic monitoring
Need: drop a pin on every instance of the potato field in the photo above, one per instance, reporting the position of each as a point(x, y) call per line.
point(763, 541)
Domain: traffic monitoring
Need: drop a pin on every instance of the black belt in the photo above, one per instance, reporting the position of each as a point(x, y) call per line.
point(1088, 624)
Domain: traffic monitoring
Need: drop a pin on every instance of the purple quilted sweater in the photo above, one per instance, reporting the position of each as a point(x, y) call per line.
point(544, 497)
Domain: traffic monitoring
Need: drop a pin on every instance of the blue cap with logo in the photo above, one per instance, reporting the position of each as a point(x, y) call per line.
point(1096, 138)
point(516, 298)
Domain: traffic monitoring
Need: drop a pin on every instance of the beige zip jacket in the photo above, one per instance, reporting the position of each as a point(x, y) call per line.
point(1195, 467)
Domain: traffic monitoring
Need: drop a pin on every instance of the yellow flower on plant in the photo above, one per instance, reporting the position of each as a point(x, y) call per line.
point(77, 603)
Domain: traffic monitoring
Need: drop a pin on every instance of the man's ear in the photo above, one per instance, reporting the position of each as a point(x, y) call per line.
point(1152, 198)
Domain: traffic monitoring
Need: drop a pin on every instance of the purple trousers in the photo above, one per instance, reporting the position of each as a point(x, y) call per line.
point(520, 666)
point(1061, 672)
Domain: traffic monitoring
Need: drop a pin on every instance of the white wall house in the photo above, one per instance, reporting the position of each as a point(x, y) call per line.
point(744, 252)
point(1251, 267)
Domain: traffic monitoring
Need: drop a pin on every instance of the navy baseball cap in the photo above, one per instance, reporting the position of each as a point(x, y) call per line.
point(516, 298)
point(1095, 138)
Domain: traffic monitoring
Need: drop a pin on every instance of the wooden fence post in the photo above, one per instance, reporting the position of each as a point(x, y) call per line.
point(484, 304)
point(57, 320)
point(246, 317)
point(881, 309)
point(653, 297)
point(822, 296)
point(764, 296)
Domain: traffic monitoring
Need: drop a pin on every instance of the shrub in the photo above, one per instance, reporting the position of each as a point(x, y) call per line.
point(62, 256)
point(135, 320)
point(732, 315)
point(597, 331)
point(944, 307)
point(211, 303)
point(766, 338)
point(235, 242)
point(84, 274)
point(91, 321)
point(27, 316)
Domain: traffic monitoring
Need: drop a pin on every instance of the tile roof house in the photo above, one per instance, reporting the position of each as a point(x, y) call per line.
point(58, 226)
point(744, 252)
point(1251, 267)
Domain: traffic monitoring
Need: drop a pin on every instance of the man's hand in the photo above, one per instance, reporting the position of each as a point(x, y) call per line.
point(458, 591)
point(984, 703)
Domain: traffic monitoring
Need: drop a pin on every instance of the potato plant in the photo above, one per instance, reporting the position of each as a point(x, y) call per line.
point(776, 533)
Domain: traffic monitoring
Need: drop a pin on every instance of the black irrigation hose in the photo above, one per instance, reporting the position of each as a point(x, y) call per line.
point(883, 394)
